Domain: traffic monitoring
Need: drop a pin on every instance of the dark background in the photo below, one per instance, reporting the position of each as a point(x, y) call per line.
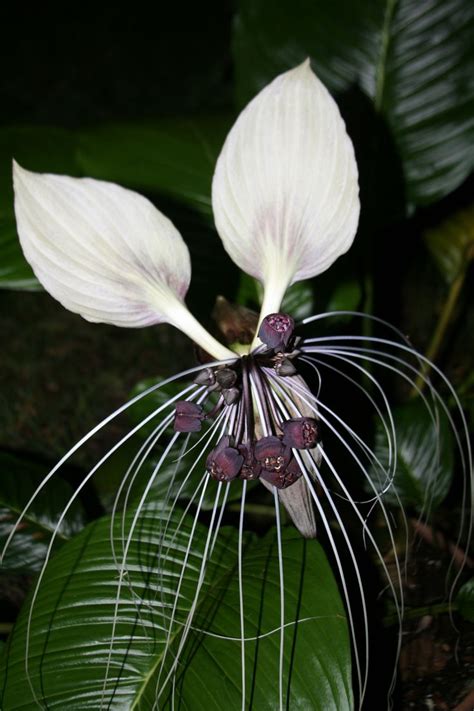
point(72, 66)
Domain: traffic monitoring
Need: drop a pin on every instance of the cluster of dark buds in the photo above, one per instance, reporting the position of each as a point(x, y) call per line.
point(269, 458)
point(222, 379)
point(244, 453)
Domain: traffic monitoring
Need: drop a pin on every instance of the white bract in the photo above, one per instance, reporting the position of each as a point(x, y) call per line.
point(105, 252)
point(285, 200)
point(285, 191)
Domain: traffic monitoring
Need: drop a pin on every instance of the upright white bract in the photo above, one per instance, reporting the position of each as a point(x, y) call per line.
point(285, 189)
point(104, 252)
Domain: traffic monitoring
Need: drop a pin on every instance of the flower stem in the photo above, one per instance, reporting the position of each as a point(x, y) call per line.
point(274, 291)
point(440, 330)
point(184, 320)
point(436, 609)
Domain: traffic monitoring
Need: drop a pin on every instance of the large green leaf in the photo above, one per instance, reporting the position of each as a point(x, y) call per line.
point(175, 157)
point(171, 160)
point(74, 612)
point(424, 451)
point(18, 481)
point(413, 60)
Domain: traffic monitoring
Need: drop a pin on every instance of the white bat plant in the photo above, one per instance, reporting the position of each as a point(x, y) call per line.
point(285, 198)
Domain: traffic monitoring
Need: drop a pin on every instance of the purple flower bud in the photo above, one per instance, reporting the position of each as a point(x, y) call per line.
point(250, 468)
point(276, 330)
point(285, 478)
point(285, 367)
point(224, 462)
point(226, 377)
point(205, 377)
point(231, 395)
point(271, 454)
point(301, 432)
point(188, 416)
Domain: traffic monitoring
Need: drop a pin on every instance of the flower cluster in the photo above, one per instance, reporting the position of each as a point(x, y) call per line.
point(244, 454)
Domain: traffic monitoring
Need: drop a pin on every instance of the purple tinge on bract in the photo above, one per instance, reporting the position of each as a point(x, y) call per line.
point(301, 432)
point(188, 416)
point(276, 330)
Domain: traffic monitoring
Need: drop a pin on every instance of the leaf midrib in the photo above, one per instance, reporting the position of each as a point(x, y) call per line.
point(218, 581)
point(381, 66)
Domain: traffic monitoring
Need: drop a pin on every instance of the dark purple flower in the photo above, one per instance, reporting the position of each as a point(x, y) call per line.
point(226, 377)
point(272, 454)
point(301, 432)
point(276, 330)
point(231, 395)
point(188, 416)
point(224, 462)
point(205, 377)
point(250, 467)
point(284, 478)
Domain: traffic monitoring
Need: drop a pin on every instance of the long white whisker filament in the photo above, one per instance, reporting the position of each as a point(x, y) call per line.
point(241, 591)
point(59, 522)
point(466, 462)
point(194, 604)
point(282, 598)
point(362, 680)
point(389, 473)
point(389, 431)
point(94, 431)
point(122, 569)
point(226, 416)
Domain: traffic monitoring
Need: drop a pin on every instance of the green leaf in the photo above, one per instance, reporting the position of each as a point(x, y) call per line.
point(72, 621)
point(144, 407)
point(174, 157)
point(15, 272)
point(345, 297)
point(250, 292)
point(452, 244)
point(43, 149)
point(424, 451)
point(413, 61)
point(18, 480)
point(465, 600)
point(298, 301)
point(172, 160)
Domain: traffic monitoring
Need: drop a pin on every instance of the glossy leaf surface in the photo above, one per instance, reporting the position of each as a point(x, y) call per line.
point(74, 613)
point(18, 481)
point(412, 60)
point(424, 453)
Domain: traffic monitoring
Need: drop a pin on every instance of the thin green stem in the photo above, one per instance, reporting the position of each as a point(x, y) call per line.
point(440, 330)
point(440, 608)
